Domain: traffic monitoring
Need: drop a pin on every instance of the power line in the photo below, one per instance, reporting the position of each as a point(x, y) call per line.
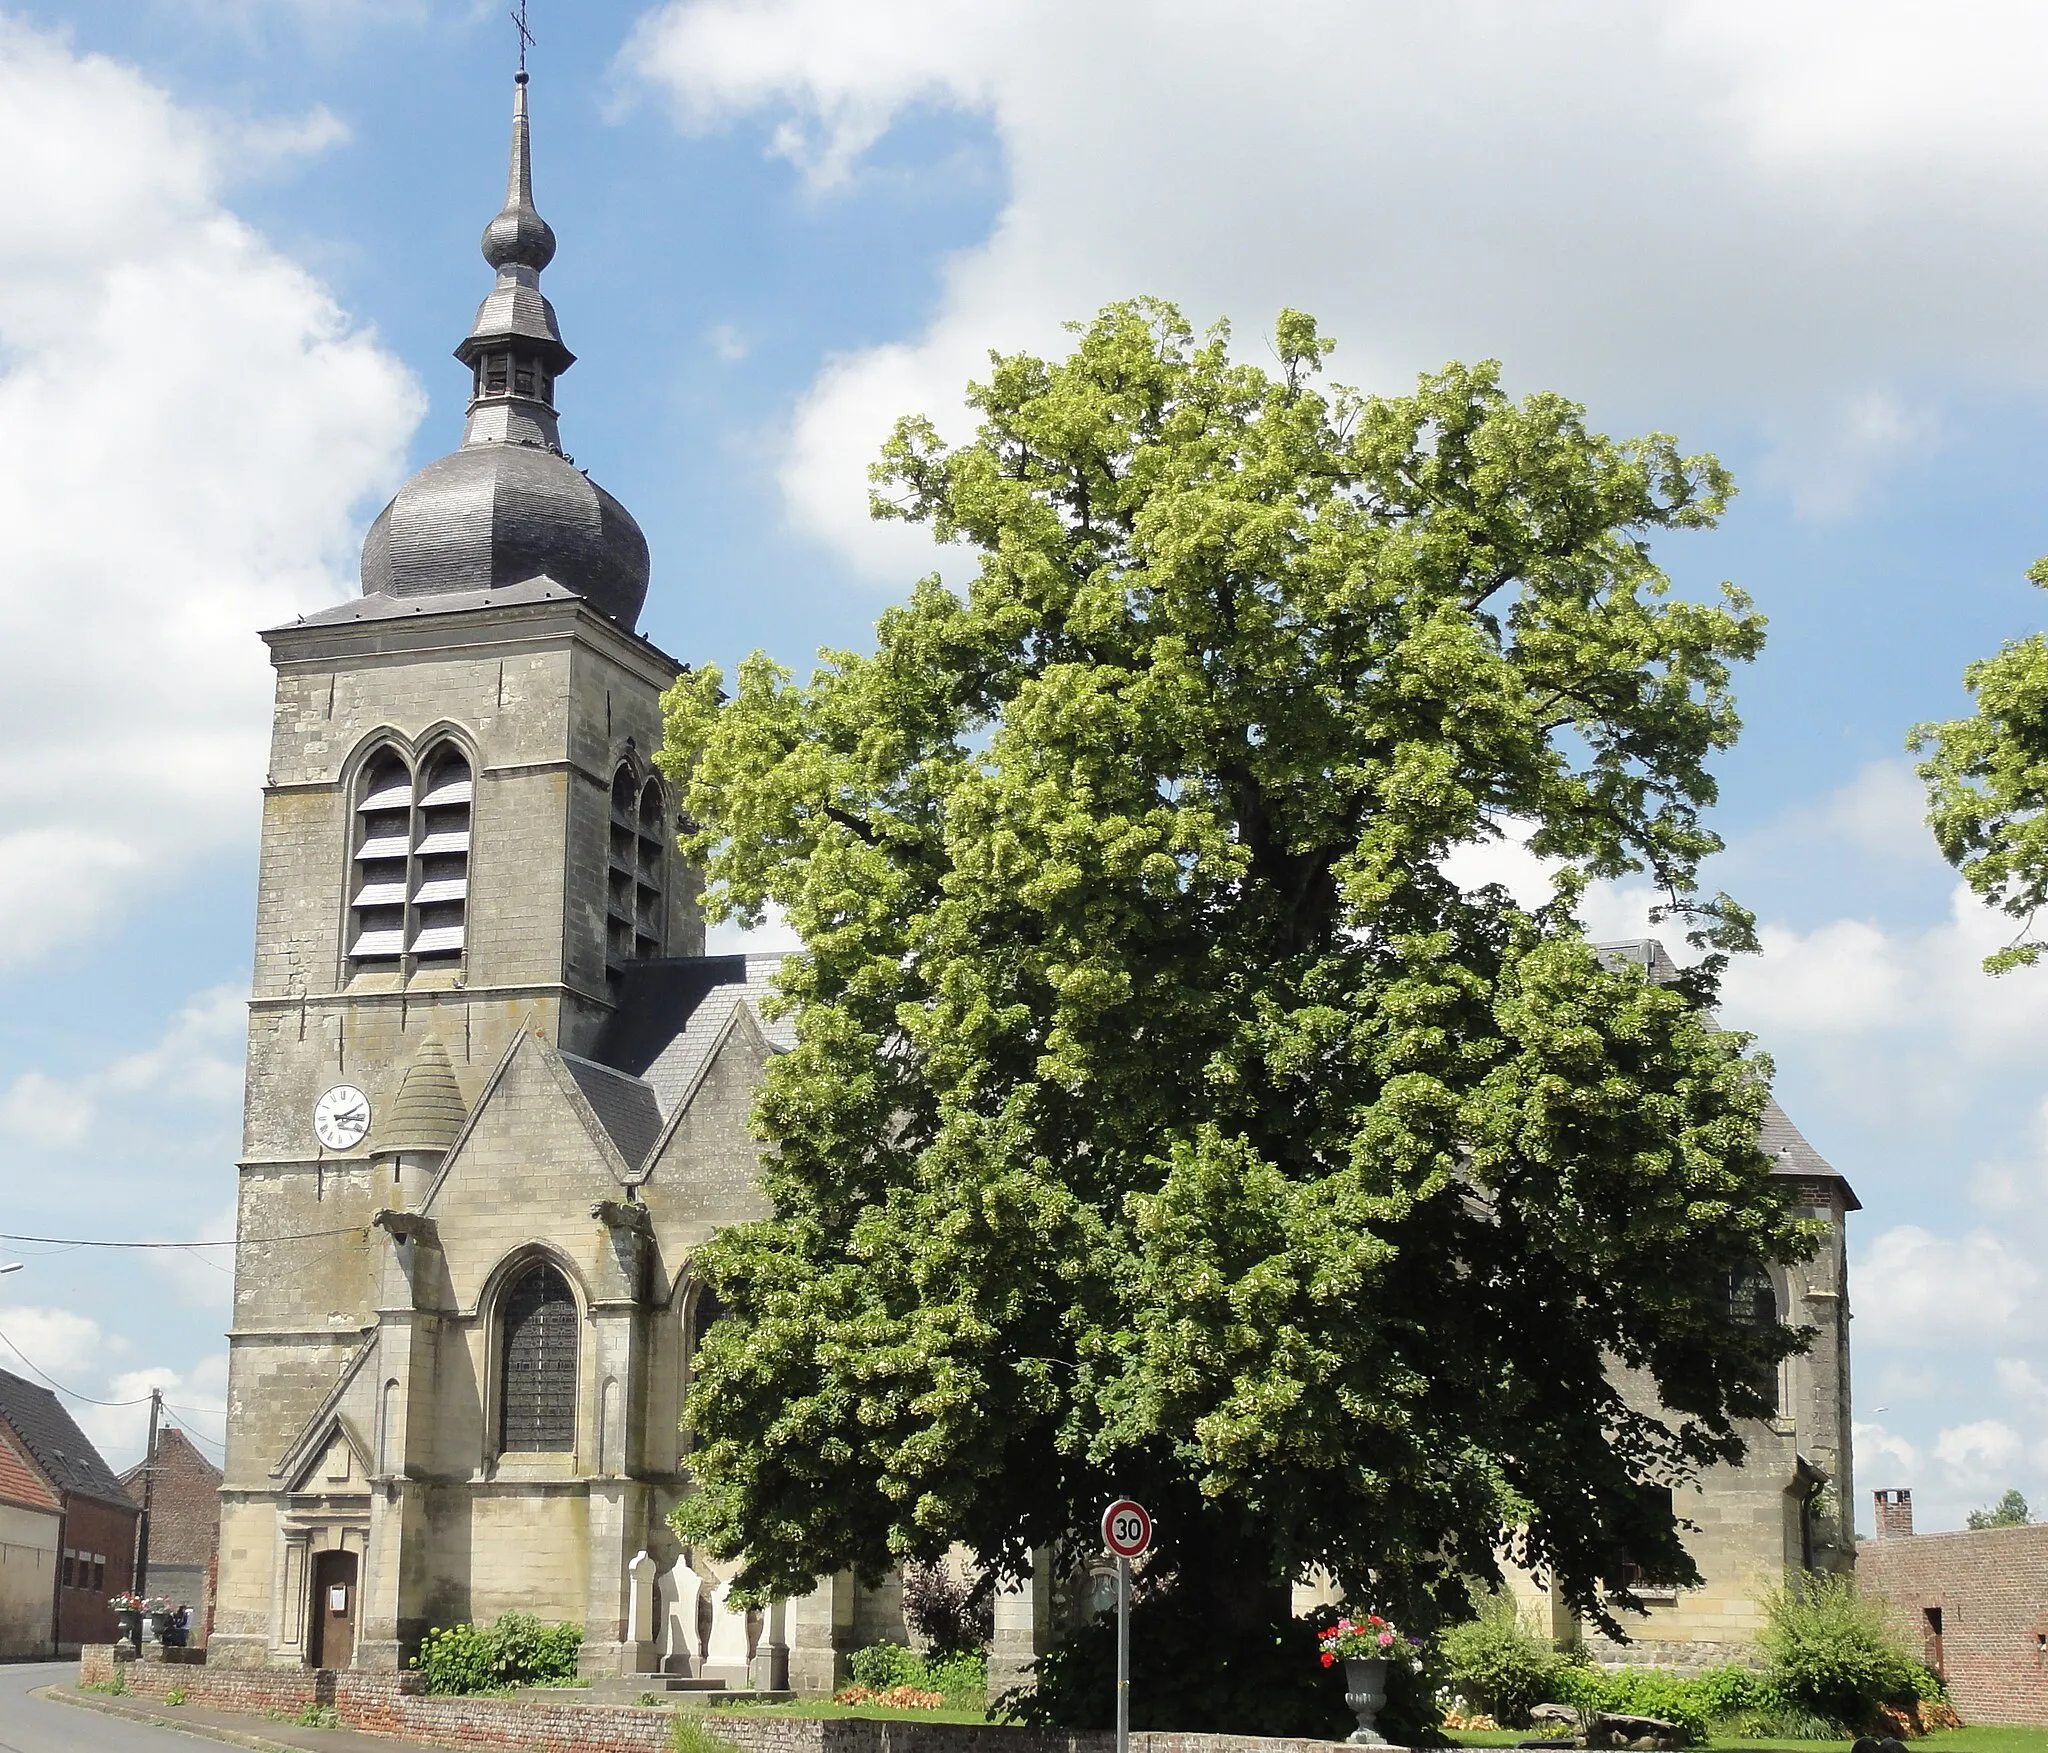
point(354, 1229)
point(69, 1393)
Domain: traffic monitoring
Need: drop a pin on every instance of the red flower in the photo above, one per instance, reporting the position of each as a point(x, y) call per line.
point(1329, 1661)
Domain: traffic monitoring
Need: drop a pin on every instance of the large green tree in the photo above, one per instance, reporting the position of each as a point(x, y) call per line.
point(1164, 1120)
point(1987, 787)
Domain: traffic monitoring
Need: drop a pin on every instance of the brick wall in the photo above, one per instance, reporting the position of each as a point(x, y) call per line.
point(90, 1529)
point(1990, 1590)
point(390, 1704)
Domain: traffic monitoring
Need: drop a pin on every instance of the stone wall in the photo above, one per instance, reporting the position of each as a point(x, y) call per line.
point(391, 1704)
point(1975, 1605)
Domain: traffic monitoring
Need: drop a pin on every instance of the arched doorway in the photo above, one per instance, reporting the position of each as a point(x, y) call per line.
point(332, 1643)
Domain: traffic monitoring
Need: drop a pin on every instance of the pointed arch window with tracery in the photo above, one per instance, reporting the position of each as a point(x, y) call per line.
point(409, 899)
point(537, 1363)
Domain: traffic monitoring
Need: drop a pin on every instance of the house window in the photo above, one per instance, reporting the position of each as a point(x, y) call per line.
point(99, 1573)
point(70, 1568)
point(537, 1404)
point(633, 897)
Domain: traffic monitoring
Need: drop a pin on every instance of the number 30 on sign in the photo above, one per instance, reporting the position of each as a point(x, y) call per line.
point(1126, 1529)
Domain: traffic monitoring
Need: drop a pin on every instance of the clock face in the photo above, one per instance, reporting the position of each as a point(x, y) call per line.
point(341, 1117)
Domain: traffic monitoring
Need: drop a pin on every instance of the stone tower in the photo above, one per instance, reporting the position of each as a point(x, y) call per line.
point(464, 843)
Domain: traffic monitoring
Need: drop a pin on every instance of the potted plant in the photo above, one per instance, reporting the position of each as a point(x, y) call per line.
point(157, 1613)
point(1367, 1647)
point(128, 1610)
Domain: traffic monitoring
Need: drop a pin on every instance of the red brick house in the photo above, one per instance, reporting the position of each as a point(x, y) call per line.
point(96, 1537)
point(184, 1525)
point(1974, 1603)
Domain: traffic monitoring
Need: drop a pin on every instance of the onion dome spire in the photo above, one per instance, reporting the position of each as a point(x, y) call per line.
point(507, 507)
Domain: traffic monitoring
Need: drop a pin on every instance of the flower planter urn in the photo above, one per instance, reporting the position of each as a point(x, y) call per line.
point(1365, 1691)
point(128, 1629)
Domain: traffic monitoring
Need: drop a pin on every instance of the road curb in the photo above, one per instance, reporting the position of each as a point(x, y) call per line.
point(105, 1705)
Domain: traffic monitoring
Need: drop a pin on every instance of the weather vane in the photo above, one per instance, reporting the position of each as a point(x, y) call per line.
point(525, 35)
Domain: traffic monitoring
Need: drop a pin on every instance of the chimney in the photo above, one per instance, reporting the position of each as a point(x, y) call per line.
point(1894, 1514)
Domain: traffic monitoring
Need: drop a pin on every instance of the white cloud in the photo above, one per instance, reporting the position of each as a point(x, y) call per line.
point(188, 429)
point(1978, 1455)
point(2022, 1383)
point(1917, 1290)
point(1786, 215)
point(1882, 1457)
point(197, 1059)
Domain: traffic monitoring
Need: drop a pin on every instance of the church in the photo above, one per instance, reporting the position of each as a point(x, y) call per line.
point(497, 1094)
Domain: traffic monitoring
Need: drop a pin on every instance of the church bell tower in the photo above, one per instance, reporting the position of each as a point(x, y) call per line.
point(463, 838)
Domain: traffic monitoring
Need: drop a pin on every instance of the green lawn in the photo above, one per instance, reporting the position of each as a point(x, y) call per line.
point(824, 1707)
point(1992, 1738)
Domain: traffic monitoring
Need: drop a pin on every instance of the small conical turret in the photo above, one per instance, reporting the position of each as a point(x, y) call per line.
point(427, 1114)
point(519, 236)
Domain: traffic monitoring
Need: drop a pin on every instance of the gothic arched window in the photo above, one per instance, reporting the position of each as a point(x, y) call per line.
point(383, 843)
point(537, 1380)
point(633, 894)
point(440, 894)
point(1750, 1301)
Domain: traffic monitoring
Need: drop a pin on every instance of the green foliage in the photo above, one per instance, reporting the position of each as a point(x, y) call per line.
point(519, 1650)
point(1655, 1692)
point(1499, 1664)
point(1162, 1116)
point(689, 1735)
point(114, 1687)
point(177, 1695)
point(2010, 1511)
point(1831, 1652)
point(1193, 1675)
point(1987, 786)
point(318, 1716)
point(1730, 1691)
point(962, 1677)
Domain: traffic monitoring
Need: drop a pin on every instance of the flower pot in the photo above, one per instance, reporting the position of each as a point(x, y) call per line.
point(128, 1628)
point(1365, 1691)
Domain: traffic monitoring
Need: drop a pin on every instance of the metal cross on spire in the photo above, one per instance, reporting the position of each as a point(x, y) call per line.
point(525, 35)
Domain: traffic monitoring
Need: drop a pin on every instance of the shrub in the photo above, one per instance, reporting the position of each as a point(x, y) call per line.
point(517, 1651)
point(1499, 1663)
point(318, 1716)
point(961, 1679)
point(1831, 1652)
point(950, 1616)
point(1658, 1693)
point(177, 1695)
point(1728, 1692)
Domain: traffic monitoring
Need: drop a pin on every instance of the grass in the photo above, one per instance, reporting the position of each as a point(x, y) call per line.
point(825, 1708)
point(1991, 1738)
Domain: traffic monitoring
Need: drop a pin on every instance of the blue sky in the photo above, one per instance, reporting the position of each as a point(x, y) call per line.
point(248, 243)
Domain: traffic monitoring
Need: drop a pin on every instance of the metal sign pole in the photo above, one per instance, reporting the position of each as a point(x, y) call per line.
point(1123, 1655)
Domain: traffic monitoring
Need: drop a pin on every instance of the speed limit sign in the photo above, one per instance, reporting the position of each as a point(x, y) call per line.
point(1126, 1529)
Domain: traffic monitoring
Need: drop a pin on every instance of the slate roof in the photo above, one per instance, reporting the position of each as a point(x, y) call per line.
point(61, 1449)
point(20, 1483)
point(1777, 1137)
point(673, 1013)
point(624, 1106)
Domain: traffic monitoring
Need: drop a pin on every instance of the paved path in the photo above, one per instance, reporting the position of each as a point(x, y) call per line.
point(42, 1725)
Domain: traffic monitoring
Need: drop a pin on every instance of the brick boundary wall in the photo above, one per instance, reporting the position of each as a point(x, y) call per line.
point(393, 1704)
point(1990, 1586)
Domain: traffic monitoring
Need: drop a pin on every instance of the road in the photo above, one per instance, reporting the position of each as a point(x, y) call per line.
point(34, 1725)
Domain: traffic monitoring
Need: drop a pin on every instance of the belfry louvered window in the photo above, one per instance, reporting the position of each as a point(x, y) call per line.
point(410, 874)
point(633, 921)
point(440, 896)
point(1751, 1302)
point(383, 848)
point(537, 1401)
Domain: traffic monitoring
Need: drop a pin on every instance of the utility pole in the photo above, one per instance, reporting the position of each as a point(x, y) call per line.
point(156, 1404)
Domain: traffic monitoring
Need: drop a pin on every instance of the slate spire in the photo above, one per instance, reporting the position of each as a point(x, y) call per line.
point(514, 348)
